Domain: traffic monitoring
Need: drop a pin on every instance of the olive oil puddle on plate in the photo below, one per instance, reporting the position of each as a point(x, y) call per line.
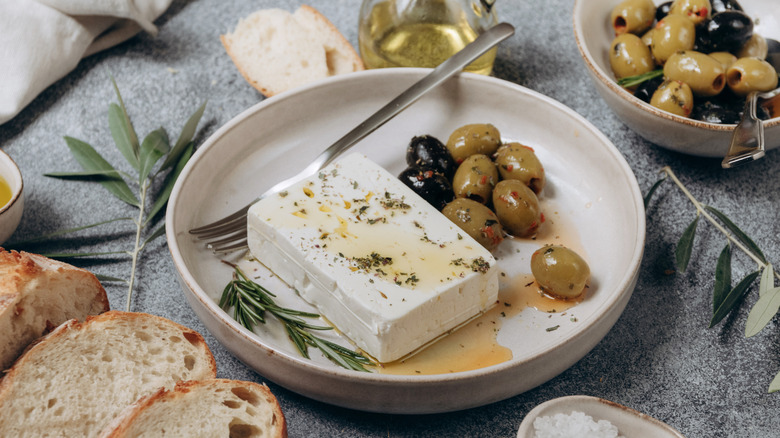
point(5, 192)
point(475, 345)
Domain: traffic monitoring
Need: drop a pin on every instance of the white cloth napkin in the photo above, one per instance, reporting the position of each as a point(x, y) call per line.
point(43, 40)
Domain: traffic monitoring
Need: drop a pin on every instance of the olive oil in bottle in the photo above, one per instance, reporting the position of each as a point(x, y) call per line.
point(424, 33)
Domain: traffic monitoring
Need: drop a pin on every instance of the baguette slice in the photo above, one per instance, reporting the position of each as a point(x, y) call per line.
point(205, 408)
point(275, 50)
point(38, 294)
point(77, 378)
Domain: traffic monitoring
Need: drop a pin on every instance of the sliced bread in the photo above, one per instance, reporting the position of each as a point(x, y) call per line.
point(38, 294)
point(206, 408)
point(77, 378)
point(275, 50)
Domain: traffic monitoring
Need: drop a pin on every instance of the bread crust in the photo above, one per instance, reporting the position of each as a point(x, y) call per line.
point(68, 372)
point(122, 424)
point(324, 29)
point(37, 294)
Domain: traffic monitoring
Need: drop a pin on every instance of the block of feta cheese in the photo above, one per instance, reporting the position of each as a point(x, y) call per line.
point(384, 266)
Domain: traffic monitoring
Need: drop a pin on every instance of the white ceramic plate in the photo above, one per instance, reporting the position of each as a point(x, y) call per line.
point(593, 33)
point(590, 187)
point(630, 423)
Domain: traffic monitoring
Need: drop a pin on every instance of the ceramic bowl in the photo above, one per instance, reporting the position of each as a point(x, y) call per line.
point(591, 196)
point(628, 421)
point(593, 33)
point(11, 212)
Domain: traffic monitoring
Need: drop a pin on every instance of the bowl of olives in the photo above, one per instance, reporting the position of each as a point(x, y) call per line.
point(677, 72)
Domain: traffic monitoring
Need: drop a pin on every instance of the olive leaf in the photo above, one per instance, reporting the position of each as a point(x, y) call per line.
point(173, 175)
point(767, 305)
point(652, 191)
point(737, 232)
point(143, 158)
point(775, 384)
point(762, 312)
point(185, 139)
point(767, 280)
point(733, 298)
point(682, 253)
point(154, 147)
point(92, 161)
point(722, 277)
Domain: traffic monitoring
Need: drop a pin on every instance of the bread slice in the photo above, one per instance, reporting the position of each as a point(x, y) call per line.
point(77, 378)
point(275, 50)
point(206, 408)
point(38, 294)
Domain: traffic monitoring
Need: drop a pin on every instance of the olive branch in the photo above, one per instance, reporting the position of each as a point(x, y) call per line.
point(143, 157)
point(726, 298)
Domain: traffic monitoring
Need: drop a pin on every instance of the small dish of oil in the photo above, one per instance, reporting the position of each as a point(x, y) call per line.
point(11, 196)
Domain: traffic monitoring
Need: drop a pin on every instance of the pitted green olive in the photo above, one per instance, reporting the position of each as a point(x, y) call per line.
point(629, 56)
point(476, 220)
point(517, 208)
point(633, 16)
point(672, 34)
point(674, 97)
point(696, 10)
point(755, 47)
point(703, 73)
point(751, 74)
point(517, 161)
point(725, 59)
point(647, 37)
point(560, 271)
point(475, 178)
point(479, 138)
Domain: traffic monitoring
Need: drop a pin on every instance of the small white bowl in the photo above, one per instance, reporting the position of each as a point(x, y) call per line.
point(587, 179)
point(630, 423)
point(11, 212)
point(594, 34)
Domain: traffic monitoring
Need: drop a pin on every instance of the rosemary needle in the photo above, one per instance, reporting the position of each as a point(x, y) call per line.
point(250, 301)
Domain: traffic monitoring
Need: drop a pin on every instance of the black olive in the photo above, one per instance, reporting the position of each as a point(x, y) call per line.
point(431, 185)
point(729, 30)
point(427, 151)
point(714, 110)
point(662, 10)
point(702, 41)
point(725, 5)
point(646, 89)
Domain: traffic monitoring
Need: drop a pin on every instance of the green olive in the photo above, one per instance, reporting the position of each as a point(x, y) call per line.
point(517, 208)
point(479, 138)
point(476, 220)
point(674, 97)
point(475, 178)
point(560, 271)
point(518, 161)
point(703, 73)
point(673, 33)
point(751, 74)
point(633, 16)
point(647, 37)
point(725, 59)
point(696, 10)
point(755, 47)
point(629, 56)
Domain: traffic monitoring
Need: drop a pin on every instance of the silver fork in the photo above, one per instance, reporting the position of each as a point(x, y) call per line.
point(229, 233)
point(747, 141)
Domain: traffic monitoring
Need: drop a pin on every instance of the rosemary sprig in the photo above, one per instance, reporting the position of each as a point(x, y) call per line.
point(724, 297)
point(631, 81)
point(135, 190)
point(250, 302)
